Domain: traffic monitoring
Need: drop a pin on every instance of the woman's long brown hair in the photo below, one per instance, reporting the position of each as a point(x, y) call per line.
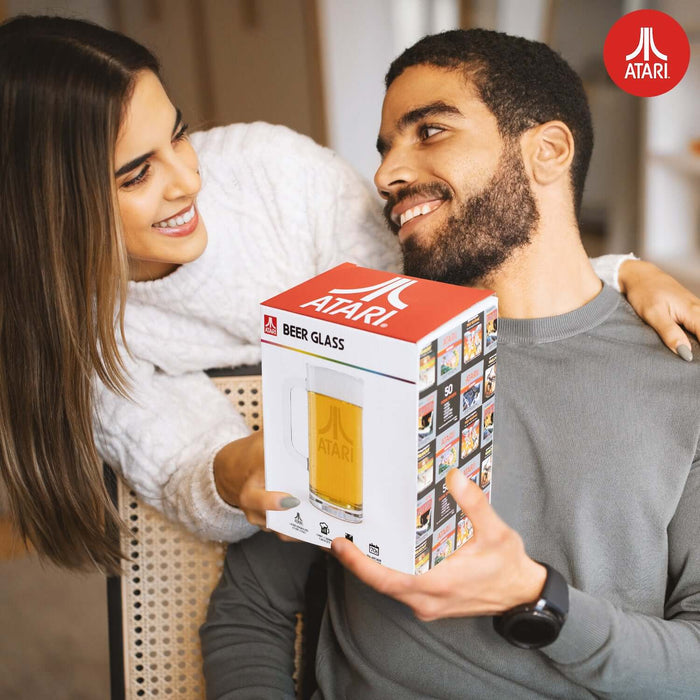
point(64, 85)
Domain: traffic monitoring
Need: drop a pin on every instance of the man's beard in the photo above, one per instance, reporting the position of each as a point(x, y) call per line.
point(486, 230)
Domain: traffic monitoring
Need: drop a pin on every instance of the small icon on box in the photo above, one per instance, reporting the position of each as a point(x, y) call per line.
point(324, 528)
point(348, 536)
point(373, 549)
point(270, 325)
point(298, 520)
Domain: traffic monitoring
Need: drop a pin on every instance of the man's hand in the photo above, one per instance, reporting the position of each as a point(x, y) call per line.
point(239, 473)
point(661, 302)
point(487, 575)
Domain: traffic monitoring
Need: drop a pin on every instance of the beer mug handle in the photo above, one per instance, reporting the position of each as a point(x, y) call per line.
point(292, 386)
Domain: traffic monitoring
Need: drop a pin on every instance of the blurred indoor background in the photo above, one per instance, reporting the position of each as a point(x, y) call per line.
point(318, 66)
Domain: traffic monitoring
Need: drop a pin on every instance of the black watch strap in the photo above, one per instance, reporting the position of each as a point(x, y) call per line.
point(537, 624)
point(556, 590)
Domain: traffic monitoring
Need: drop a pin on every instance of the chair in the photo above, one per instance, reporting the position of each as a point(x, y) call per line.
point(155, 609)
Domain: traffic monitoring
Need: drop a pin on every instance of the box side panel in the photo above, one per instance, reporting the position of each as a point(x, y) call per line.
point(453, 364)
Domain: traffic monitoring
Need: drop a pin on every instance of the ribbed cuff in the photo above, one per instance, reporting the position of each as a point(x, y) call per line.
point(220, 520)
point(586, 630)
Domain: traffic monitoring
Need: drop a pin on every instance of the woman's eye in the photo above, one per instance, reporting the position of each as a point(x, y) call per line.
point(427, 131)
point(182, 134)
point(137, 179)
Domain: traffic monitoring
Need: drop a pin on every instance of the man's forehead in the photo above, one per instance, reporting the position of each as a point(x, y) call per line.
point(426, 91)
point(423, 85)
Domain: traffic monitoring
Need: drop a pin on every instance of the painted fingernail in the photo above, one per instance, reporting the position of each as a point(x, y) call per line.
point(289, 502)
point(685, 352)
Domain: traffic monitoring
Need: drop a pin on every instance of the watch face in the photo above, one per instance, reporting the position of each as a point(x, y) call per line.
point(537, 624)
point(532, 629)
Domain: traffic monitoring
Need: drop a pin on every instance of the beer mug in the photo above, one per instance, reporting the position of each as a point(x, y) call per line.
point(335, 441)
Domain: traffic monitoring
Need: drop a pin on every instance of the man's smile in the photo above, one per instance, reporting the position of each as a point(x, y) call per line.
point(412, 207)
point(414, 204)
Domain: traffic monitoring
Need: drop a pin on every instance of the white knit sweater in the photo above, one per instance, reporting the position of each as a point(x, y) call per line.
point(278, 209)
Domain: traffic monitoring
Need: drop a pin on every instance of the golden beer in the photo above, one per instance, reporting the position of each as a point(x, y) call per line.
point(335, 456)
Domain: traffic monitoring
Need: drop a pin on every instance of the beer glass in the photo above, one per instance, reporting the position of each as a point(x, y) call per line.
point(335, 442)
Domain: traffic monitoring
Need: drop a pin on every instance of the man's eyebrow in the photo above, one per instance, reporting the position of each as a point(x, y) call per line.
point(438, 108)
point(433, 109)
point(132, 164)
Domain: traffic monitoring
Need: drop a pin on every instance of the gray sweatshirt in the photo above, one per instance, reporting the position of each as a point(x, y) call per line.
point(597, 466)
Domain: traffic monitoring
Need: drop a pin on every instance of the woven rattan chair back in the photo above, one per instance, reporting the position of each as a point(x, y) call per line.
point(157, 607)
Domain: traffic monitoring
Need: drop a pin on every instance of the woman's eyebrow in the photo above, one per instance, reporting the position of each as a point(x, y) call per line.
point(128, 167)
point(178, 120)
point(132, 164)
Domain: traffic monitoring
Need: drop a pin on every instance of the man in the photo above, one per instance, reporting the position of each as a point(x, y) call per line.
point(485, 141)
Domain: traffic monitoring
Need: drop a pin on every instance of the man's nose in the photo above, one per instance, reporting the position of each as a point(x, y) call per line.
point(396, 171)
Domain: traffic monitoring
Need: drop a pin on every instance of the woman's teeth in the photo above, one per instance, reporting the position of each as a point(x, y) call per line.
point(180, 220)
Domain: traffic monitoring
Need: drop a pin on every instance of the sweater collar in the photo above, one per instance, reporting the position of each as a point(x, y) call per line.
point(531, 331)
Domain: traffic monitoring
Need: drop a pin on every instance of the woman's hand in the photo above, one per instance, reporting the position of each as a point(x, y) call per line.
point(661, 302)
point(239, 474)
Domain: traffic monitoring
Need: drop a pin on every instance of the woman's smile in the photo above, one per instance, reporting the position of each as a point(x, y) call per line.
point(181, 224)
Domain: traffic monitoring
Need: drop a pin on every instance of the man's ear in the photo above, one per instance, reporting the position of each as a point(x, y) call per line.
point(548, 149)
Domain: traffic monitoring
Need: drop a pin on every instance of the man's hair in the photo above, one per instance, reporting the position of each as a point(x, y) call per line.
point(524, 83)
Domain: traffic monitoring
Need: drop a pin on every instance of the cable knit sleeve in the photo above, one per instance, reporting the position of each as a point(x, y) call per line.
point(607, 267)
point(341, 208)
point(350, 226)
point(163, 441)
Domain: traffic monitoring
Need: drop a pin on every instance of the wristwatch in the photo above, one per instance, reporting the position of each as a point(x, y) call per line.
point(535, 625)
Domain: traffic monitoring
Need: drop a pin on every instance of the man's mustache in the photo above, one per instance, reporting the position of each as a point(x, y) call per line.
point(436, 190)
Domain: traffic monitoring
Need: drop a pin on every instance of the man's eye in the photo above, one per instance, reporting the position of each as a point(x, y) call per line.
point(427, 131)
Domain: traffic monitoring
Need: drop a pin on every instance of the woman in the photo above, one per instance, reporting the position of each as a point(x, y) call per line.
point(104, 220)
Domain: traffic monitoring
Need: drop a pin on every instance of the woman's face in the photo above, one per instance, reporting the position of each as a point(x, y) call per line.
point(157, 183)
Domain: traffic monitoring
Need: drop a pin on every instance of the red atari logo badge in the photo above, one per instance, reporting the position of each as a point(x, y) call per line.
point(646, 53)
point(270, 325)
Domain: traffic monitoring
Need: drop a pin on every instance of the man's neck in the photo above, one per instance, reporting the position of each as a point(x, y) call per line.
point(551, 276)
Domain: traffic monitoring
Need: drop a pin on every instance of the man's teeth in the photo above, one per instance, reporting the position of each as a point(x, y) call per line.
point(417, 211)
point(177, 220)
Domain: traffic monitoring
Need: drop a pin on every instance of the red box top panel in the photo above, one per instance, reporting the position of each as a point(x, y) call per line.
point(380, 302)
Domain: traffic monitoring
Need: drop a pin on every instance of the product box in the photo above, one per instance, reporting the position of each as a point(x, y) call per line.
point(375, 385)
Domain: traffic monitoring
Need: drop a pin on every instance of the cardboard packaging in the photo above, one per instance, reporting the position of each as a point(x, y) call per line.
point(375, 385)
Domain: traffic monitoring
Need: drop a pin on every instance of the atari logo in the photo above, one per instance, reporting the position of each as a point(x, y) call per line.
point(270, 325)
point(344, 302)
point(646, 53)
point(646, 68)
point(391, 289)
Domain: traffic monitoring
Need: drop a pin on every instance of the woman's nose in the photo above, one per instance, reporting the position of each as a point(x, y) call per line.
point(184, 178)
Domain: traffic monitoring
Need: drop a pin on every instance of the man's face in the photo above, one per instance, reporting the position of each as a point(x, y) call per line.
point(457, 194)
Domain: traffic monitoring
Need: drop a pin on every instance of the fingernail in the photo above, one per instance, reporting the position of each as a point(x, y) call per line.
point(289, 502)
point(685, 352)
